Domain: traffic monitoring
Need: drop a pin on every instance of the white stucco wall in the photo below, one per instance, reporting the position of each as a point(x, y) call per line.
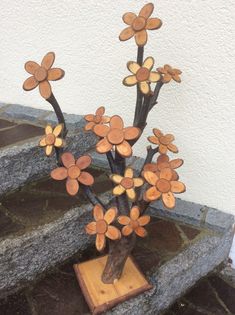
point(197, 36)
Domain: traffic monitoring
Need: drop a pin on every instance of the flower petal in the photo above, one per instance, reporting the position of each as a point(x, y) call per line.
point(144, 220)
point(129, 172)
point(127, 230)
point(147, 10)
point(100, 111)
point(45, 89)
point(131, 133)
point(175, 176)
point(131, 194)
point(154, 76)
point(173, 148)
point(152, 194)
point(134, 213)
point(124, 149)
point(103, 146)
point(30, 84)
point(177, 187)
point(141, 38)
point(116, 122)
point(86, 178)
point(140, 231)
point(116, 178)
point(129, 17)
point(138, 182)
point(59, 143)
point(83, 161)
point(72, 186)
point(110, 215)
point(31, 66)
point(176, 77)
point(91, 228)
point(118, 190)
point(176, 163)
point(166, 78)
point(101, 130)
point(58, 129)
point(89, 126)
point(55, 74)
point(157, 132)
point(123, 220)
point(144, 87)
point(98, 212)
point(42, 142)
point(153, 140)
point(163, 158)
point(153, 24)
point(168, 200)
point(162, 148)
point(49, 150)
point(105, 119)
point(152, 167)
point(166, 173)
point(150, 177)
point(130, 80)
point(59, 173)
point(148, 63)
point(48, 60)
point(48, 129)
point(100, 242)
point(126, 34)
point(89, 117)
point(133, 66)
point(168, 138)
point(68, 159)
point(113, 233)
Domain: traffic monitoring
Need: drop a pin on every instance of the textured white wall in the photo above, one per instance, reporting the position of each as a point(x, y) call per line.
point(197, 36)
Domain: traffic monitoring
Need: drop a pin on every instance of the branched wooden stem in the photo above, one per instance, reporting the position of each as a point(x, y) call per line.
point(91, 196)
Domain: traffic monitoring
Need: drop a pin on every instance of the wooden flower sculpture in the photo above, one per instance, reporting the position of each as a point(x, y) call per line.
point(42, 74)
point(73, 172)
point(142, 75)
point(134, 223)
point(168, 73)
point(164, 141)
point(96, 119)
point(138, 25)
point(126, 183)
point(115, 136)
point(101, 226)
point(52, 139)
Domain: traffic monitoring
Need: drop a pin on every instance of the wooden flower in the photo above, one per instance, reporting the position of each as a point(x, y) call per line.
point(51, 139)
point(101, 226)
point(162, 186)
point(138, 25)
point(73, 171)
point(134, 223)
point(126, 184)
point(98, 118)
point(42, 74)
point(115, 135)
point(142, 76)
point(163, 161)
point(163, 141)
point(169, 73)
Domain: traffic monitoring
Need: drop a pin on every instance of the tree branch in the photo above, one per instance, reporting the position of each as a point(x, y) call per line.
point(91, 196)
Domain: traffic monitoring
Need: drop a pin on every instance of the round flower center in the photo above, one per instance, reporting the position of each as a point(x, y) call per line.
point(163, 165)
point(134, 224)
point(127, 182)
point(74, 172)
point(97, 119)
point(115, 136)
point(40, 74)
point(164, 140)
point(163, 185)
point(142, 74)
point(50, 139)
point(139, 23)
point(101, 226)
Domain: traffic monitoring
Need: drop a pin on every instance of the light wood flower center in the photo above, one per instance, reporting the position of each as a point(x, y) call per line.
point(139, 23)
point(142, 74)
point(164, 140)
point(97, 119)
point(127, 182)
point(115, 136)
point(40, 74)
point(163, 185)
point(134, 224)
point(74, 172)
point(101, 226)
point(50, 139)
point(163, 165)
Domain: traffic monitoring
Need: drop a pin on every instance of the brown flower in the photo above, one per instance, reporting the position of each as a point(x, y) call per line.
point(162, 186)
point(73, 171)
point(101, 226)
point(51, 139)
point(42, 74)
point(142, 76)
point(138, 25)
point(96, 119)
point(164, 141)
point(169, 73)
point(135, 223)
point(163, 161)
point(126, 183)
point(116, 136)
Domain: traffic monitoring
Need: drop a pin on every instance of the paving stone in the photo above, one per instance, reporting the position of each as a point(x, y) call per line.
point(7, 226)
point(19, 133)
point(16, 111)
point(146, 258)
point(15, 305)
point(189, 231)
point(72, 121)
point(5, 123)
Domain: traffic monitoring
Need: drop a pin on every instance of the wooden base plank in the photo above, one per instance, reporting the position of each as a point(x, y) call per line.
point(100, 296)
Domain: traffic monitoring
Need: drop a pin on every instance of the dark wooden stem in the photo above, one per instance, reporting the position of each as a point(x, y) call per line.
point(91, 196)
point(139, 98)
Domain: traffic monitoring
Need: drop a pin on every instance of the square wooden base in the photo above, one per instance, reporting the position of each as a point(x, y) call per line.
point(100, 296)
